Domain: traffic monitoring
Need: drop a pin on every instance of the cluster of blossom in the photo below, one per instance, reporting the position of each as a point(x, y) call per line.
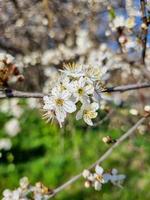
point(105, 61)
point(132, 8)
point(12, 127)
point(12, 107)
point(57, 55)
point(125, 34)
point(26, 191)
point(99, 177)
point(5, 144)
point(78, 87)
point(8, 70)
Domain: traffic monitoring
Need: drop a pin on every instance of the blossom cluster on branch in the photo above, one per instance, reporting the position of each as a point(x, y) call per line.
point(76, 34)
point(8, 70)
point(78, 88)
point(99, 177)
point(26, 191)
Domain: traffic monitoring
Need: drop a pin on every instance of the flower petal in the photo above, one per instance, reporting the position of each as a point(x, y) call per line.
point(79, 114)
point(46, 99)
point(47, 107)
point(97, 185)
point(81, 82)
point(94, 106)
point(65, 95)
point(89, 89)
point(60, 115)
point(87, 120)
point(114, 171)
point(116, 178)
point(106, 177)
point(86, 173)
point(69, 106)
point(99, 170)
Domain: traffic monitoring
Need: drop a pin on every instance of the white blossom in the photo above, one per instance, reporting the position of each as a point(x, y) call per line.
point(7, 58)
point(60, 103)
point(5, 143)
point(73, 70)
point(116, 178)
point(88, 112)
point(24, 182)
point(12, 127)
point(99, 177)
point(26, 191)
point(82, 90)
point(86, 173)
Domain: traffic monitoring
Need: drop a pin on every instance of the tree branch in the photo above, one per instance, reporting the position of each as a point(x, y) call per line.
point(124, 88)
point(144, 30)
point(102, 158)
point(8, 93)
point(109, 114)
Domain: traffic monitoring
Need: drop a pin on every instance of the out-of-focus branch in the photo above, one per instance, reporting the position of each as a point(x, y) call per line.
point(109, 114)
point(144, 30)
point(102, 158)
point(8, 93)
point(6, 45)
point(125, 88)
point(48, 12)
point(17, 7)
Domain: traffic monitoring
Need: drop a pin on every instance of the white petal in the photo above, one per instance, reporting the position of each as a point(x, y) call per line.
point(79, 114)
point(2, 56)
point(85, 100)
point(86, 173)
point(47, 107)
point(115, 178)
point(89, 89)
point(97, 185)
point(46, 98)
point(99, 170)
point(56, 91)
point(65, 95)
point(94, 106)
point(114, 171)
point(81, 82)
point(106, 177)
point(69, 107)
point(91, 177)
point(60, 115)
point(88, 120)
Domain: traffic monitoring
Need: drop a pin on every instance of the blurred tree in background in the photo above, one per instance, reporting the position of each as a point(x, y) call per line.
point(112, 36)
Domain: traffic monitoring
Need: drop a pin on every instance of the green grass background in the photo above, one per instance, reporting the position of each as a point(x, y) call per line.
point(46, 153)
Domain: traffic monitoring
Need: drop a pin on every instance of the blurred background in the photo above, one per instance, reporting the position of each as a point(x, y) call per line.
point(42, 35)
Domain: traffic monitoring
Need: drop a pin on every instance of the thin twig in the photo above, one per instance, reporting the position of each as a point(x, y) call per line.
point(48, 12)
point(102, 158)
point(8, 93)
point(104, 119)
point(125, 88)
point(17, 7)
point(144, 30)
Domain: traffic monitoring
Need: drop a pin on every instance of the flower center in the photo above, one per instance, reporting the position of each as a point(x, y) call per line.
point(99, 178)
point(90, 114)
point(59, 102)
point(80, 91)
point(62, 87)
